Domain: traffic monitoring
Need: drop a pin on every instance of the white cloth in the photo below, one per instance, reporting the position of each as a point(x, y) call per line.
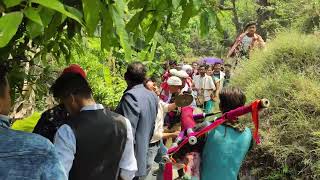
point(158, 128)
point(65, 145)
point(204, 85)
point(220, 79)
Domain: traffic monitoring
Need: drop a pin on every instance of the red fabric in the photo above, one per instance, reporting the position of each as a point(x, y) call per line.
point(187, 120)
point(164, 91)
point(165, 76)
point(167, 174)
point(234, 114)
point(255, 120)
point(189, 82)
point(74, 68)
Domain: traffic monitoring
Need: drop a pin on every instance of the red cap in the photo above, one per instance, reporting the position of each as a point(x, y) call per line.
point(75, 68)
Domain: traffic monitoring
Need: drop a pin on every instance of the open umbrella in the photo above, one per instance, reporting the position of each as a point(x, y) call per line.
point(210, 60)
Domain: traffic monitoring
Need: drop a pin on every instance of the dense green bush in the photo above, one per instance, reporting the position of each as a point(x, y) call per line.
point(105, 79)
point(286, 72)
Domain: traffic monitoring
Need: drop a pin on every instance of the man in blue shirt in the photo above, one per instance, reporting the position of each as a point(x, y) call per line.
point(24, 155)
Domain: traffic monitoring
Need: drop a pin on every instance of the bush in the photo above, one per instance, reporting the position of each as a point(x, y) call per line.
point(287, 73)
point(107, 83)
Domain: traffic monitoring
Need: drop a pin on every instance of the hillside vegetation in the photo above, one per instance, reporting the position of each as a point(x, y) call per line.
point(288, 73)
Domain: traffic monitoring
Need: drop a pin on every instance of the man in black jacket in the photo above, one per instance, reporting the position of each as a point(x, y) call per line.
point(95, 143)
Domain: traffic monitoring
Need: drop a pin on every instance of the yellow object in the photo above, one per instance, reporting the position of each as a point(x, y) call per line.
point(27, 124)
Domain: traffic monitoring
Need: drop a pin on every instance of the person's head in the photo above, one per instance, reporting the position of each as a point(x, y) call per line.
point(251, 27)
point(231, 98)
point(209, 70)
point(180, 74)
point(73, 91)
point(195, 66)
point(202, 70)
point(175, 84)
point(227, 68)
point(136, 74)
point(149, 84)
point(5, 98)
point(75, 68)
point(172, 64)
point(188, 69)
point(217, 67)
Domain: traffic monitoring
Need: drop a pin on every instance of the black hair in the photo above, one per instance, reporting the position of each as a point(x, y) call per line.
point(228, 65)
point(172, 62)
point(3, 79)
point(250, 23)
point(203, 65)
point(216, 63)
point(231, 98)
point(136, 73)
point(71, 84)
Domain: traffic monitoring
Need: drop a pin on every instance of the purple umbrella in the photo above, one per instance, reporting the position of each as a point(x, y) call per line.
point(210, 60)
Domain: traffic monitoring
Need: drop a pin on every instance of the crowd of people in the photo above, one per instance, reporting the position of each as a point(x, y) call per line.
point(80, 139)
point(86, 141)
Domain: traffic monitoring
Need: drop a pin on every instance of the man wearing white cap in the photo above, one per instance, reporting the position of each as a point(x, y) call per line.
point(186, 83)
point(183, 76)
point(175, 84)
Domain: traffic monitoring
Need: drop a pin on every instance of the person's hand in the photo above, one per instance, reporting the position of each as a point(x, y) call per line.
point(175, 134)
point(214, 98)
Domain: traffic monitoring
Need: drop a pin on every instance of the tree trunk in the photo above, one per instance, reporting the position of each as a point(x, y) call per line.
point(263, 15)
point(236, 17)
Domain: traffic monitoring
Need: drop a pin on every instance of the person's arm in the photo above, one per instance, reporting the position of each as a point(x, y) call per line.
point(52, 167)
point(170, 135)
point(130, 109)
point(217, 91)
point(262, 44)
point(235, 45)
point(65, 145)
point(211, 87)
point(128, 164)
point(194, 83)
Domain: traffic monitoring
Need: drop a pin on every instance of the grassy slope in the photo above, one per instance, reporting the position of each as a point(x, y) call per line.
point(287, 72)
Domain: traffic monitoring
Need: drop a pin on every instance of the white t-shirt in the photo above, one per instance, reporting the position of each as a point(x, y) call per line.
point(204, 84)
point(158, 127)
point(246, 42)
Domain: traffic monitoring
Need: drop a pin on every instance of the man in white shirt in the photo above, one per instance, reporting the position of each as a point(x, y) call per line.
point(204, 88)
point(175, 84)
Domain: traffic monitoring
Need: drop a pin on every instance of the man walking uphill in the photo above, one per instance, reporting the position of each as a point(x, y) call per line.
point(140, 106)
point(95, 143)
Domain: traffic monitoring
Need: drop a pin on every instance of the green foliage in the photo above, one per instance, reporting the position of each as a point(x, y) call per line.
point(27, 124)
point(8, 27)
point(300, 15)
point(60, 7)
point(107, 83)
point(287, 73)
